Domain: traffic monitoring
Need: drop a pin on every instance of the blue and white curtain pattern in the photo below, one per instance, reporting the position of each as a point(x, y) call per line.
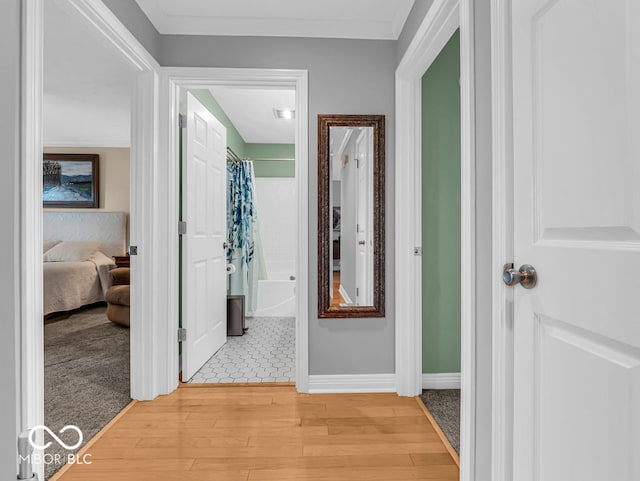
point(243, 245)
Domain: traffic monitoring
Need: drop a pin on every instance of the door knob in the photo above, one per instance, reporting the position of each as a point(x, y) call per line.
point(526, 276)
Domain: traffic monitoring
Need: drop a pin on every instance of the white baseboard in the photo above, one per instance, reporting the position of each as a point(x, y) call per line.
point(352, 383)
point(345, 296)
point(444, 380)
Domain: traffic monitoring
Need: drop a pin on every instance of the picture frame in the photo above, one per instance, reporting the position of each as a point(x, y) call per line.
point(336, 219)
point(71, 180)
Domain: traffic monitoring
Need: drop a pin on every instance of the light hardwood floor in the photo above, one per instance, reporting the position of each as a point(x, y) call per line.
point(268, 433)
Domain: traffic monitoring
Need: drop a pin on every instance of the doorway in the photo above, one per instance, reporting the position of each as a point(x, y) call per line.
point(256, 204)
point(278, 307)
point(85, 210)
point(110, 34)
point(441, 240)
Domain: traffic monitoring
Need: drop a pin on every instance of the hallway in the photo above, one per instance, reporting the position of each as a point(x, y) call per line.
point(268, 433)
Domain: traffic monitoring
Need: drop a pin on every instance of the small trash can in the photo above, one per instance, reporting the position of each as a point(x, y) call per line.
point(235, 315)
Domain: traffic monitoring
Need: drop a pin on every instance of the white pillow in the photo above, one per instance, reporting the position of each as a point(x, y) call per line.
point(48, 244)
point(71, 252)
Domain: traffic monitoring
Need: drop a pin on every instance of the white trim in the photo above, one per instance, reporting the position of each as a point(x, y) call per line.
point(345, 296)
point(352, 383)
point(93, 143)
point(441, 21)
point(468, 246)
point(150, 275)
point(276, 26)
point(31, 379)
point(502, 311)
point(172, 80)
point(442, 380)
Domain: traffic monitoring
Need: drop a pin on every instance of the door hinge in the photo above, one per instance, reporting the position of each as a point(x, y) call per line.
point(417, 251)
point(182, 227)
point(182, 334)
point(132, 250)
point(182, 121)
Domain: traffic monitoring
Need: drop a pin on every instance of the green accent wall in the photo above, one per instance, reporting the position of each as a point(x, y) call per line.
point(234, 139)
point(441, 190)
point(272, 168)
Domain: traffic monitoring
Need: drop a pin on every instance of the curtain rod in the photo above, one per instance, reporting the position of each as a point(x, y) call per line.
point(269, 159)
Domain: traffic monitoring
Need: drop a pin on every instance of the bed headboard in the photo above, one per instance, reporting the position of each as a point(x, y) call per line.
point(108, 228)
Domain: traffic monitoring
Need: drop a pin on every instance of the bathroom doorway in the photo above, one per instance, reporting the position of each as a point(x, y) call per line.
point(262, 234)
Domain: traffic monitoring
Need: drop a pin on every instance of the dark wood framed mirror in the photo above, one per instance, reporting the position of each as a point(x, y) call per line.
point(351, 216)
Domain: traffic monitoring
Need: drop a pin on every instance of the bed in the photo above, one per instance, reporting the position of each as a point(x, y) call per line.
point(77, 257)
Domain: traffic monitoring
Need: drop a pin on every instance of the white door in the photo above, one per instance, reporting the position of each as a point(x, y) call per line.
point(364, 216)
point(576, 74)
point(204, 184)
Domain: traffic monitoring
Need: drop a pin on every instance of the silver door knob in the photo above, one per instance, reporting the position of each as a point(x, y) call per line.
point(526, 276)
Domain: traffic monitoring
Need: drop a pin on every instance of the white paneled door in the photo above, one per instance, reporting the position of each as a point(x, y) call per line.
point(576, 92)
point(364, 216)
point(204, 182)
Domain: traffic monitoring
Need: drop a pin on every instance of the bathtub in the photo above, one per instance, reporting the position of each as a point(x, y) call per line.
point(276, 298)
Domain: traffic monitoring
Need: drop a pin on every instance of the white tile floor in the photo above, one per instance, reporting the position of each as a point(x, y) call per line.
point(266, 353)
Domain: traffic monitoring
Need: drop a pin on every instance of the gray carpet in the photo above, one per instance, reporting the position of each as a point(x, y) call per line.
point(86, 375)
point(444, 405)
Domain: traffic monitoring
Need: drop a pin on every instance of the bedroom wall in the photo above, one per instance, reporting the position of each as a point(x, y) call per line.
point(114, 178)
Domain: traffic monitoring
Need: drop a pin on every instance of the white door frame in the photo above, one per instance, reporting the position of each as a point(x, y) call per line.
point(502, 235)
point(148, 232)
point(186, 77)
point(441, 21)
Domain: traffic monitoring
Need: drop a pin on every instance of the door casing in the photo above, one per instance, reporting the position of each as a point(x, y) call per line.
point(503, 226)
point(441, 21)
point(175, 79)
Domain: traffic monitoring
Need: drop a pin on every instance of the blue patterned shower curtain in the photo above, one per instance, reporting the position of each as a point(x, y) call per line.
point(243, 235)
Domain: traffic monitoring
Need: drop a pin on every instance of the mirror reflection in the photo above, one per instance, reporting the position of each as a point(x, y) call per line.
point(351, 227)
point(351, 250)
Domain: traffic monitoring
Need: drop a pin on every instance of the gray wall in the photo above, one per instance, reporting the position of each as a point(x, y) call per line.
point(345, 77)
point(414, 20)
point(9, 240)
point(132, 16)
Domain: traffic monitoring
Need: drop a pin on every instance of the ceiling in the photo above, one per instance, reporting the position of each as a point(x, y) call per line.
point(251, 112)
point(87, 87)
point(365, 19)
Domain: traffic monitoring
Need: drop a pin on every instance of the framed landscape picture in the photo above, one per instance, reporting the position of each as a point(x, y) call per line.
point(70, 180)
